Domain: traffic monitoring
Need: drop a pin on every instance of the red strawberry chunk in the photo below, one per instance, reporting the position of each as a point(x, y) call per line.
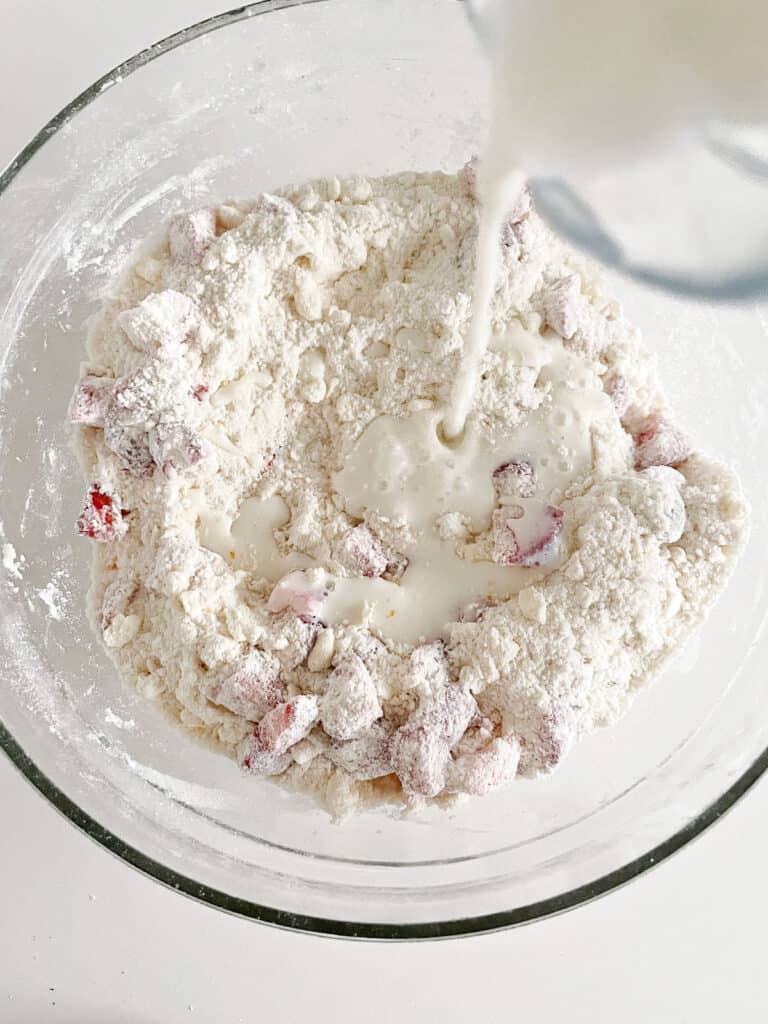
point(519, 211)
point(350, 705)
point(396, 566)
point(175, 446)
point(419, 758)
point(517, 478)
point(421, 748)
point(368, 648)
point(484, 770)
point(451, 711)
point(617, 389)
point(252, 689)
point(468, 176)
point(297, 636)
point(361, 553)
point(658, 442)
point(297, 592)
point(552, 739)
point(118, 597)
point(288, 723)
point(101, 518)
point(140, 395)
point(254, 758)
point(366, 757)
point(131, 446)
point(199, 392)
point(91, 401)
point(161, 319)
point(190, 234)
point(445, 708)
point(562, 302)
point(527, 533)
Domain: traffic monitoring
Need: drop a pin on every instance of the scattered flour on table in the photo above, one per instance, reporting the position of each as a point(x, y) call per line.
point(293, 564)
point(12, 563)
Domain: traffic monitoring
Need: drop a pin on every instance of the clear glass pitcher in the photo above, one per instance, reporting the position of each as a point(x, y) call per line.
point(690, 216)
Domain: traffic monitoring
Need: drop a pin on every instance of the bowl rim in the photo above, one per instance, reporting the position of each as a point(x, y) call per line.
point(326, 926)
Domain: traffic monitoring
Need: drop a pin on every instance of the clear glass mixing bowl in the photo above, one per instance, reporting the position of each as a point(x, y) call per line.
point(274, 92)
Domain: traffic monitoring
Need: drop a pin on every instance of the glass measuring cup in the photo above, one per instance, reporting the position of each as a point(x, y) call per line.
point(689, 214)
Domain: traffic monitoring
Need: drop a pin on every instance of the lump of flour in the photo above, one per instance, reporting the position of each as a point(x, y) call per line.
point(295, 566)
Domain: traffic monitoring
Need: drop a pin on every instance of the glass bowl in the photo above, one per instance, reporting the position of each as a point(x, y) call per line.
point(270, 93)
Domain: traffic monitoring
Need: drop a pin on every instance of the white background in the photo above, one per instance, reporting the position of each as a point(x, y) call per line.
point(86, 940)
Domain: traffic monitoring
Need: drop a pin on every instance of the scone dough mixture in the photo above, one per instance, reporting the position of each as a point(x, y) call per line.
point(297, 566)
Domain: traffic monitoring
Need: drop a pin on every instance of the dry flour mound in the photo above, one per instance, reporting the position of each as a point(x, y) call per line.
point(292, 564)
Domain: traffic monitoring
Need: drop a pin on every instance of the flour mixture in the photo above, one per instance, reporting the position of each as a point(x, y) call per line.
point(296, 559)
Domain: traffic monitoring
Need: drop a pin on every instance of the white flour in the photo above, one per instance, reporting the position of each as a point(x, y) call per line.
point(288, 541)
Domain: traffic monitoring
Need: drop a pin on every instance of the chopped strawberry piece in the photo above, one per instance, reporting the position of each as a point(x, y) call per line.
point(562, 302)
point(118, 597)
point(252, 689)
point(451, 711)
point(140, 395)
point(552, 739)
point(175, 446)
point(395, 567)
point(200, 392)
point(516, 478)
point(527, 533)
point(468, 175)
point(101, 518)
point(297, 592)
point(367, 757)
point(519, 211)
point(484, 770)
point(297, 636)
point(617, 389)
point(419, 758)
point(190, 234)
point(131, 446)
point(351, 703)
point(360, 553)
point(368, 648)
point(658, 442)
point(91, 401)
point(421, 748)
point(523, 233)
point(288, 723)
point(254, 758)
point(162, 319)
point(510, 235)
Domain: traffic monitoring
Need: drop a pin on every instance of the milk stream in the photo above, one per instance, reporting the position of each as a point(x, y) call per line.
point(497, 193)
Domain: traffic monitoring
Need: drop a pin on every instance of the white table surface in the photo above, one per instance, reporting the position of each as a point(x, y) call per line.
point(86, 940)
